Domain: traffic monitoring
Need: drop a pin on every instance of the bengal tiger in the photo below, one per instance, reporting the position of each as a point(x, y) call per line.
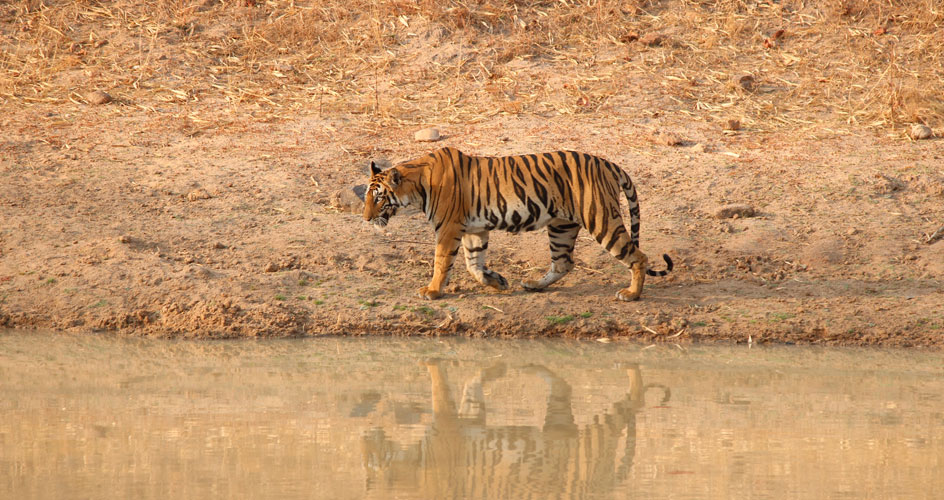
point(465, 197)
point(465, 451)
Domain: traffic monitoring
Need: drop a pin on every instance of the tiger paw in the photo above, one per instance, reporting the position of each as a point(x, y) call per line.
point(628, 295)
point(428, 294)
point(495, 280)
point(532, 286)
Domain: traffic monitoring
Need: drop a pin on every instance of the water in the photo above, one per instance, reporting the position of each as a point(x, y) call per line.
point(100, 417)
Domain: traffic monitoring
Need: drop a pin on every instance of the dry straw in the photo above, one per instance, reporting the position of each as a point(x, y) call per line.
point(838, 63)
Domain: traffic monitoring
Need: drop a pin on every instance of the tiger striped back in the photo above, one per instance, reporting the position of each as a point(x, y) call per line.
point(465, 197)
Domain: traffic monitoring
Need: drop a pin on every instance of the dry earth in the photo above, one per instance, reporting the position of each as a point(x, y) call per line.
point(121, 225)
point(204, 216)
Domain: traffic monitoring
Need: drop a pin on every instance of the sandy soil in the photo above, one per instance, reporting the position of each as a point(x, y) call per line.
point(212, 197)
point(124, 221)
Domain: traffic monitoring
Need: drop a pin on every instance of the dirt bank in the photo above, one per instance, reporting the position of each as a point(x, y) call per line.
point(200, 214)
point(236, 233)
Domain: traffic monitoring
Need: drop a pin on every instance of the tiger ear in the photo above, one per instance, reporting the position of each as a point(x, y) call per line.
point(374, 168)
point(395, 177)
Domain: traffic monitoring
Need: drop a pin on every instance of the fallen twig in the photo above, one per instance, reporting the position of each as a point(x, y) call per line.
point(649, 329)
point(414, 242)
point(936, 235)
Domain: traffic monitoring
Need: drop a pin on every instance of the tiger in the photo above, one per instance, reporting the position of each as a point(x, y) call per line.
point(464, 197)
point(465, 451)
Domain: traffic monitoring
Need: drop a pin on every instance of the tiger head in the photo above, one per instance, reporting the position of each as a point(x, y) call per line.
point(383, 196)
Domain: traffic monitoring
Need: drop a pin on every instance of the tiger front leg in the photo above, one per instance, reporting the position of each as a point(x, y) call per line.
point(447, 246)
point(475, 246)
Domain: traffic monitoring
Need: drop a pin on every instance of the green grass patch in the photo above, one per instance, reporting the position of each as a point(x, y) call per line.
point(586, 314)
point(279, 296)
point(778, 317)
point(560, 320)
point(429, 311)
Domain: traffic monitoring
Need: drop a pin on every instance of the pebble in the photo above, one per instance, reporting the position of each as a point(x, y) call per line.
point(348, 200)
point(667, 138)
point(198, 194)
point(735, 210)
point(746, 82)
point(97, 97)
point(427, 135)
point(699, 148)
point(920, 131)
point(652, 39)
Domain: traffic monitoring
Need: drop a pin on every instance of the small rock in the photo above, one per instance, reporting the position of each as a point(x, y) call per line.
point(732, 125)
point(427, 135)
point(219, 245)
point(852, 231)
point(652, 39)
point(272, 267)
point(667, 138)
point(886, 184)
point(348, 201)
point(920, 131)
point(124, 239)
point(198, 194)
point(97, 97)
point(200, 271)
point(360, 190)
point(735, 210)
point(699, 148)
point(746, 82)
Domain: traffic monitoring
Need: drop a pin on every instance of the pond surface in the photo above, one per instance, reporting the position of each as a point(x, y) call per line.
point(103, 417)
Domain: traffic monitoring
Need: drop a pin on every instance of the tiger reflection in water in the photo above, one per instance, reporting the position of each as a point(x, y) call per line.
point(461, 456)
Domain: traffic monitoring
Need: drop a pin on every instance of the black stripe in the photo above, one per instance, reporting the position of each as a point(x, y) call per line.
point(611, 243)
point(624, 251)
point(565, 256)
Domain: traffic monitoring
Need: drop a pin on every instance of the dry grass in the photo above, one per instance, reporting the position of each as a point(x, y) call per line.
point(853, 63)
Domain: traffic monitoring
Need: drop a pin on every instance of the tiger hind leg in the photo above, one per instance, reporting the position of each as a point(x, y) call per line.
point(475, 245)
point(622, 247)
point(562, 235)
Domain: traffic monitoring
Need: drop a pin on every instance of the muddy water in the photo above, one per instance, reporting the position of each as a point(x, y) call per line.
point(97, 417)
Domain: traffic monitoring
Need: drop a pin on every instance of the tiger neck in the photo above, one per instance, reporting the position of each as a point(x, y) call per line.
point(417, 177)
